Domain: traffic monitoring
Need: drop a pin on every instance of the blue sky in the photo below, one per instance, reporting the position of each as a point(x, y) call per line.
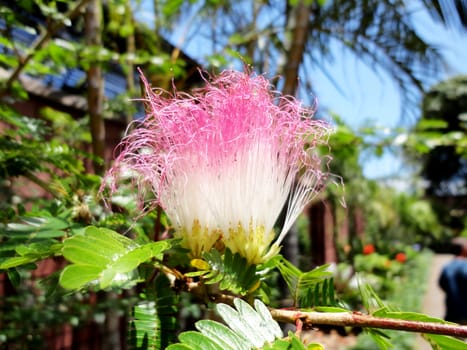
point(365, 98)
point(375, 97)
point(371, 99)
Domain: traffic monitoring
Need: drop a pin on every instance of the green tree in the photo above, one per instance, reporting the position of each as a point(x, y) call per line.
point(42, 41)
point(91, 36)
point(438, 143)
point(444, 111)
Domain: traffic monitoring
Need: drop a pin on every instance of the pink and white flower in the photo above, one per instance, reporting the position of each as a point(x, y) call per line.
point(224, 161)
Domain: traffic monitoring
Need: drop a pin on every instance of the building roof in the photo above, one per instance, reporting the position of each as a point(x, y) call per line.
point(69, 86)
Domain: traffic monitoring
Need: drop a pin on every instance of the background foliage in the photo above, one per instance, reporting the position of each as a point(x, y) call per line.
point(51, 162)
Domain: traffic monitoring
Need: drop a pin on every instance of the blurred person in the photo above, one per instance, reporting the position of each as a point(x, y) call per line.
point(453, 281)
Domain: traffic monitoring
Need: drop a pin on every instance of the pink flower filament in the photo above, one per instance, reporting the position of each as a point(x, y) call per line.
point(224, 161)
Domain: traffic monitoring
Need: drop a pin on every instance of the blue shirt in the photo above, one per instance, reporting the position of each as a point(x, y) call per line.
point(453, 281)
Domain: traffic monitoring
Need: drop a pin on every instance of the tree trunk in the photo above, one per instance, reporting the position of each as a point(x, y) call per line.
point(299, 23)
point(131, 49)
point(95, 80)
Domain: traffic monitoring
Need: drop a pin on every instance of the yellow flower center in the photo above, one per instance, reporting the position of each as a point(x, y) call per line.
point(252, 243)
point(199, 239)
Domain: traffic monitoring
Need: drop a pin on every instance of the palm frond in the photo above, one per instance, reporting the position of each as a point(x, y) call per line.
point(451, 13)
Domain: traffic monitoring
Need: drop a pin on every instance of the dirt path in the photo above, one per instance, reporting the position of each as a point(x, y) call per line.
point(433, 302)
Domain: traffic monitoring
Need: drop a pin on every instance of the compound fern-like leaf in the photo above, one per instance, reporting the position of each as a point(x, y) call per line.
point(312, 288)
point(144, 333)
point(231, 271)
point(154, 319)
point(245, 328)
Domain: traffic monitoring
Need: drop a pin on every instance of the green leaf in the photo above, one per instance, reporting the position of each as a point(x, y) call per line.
point(443, 342)
point(256, 321)
point(167, 309)
point(126, 263)
point(330, 309)
point(180, 347)
point(75, 276)
point(29, 253)
point(371, 300)
point(380, 338)
point(14, 277)
point(221, 334)
point(144, 326)
point(315, 346)
point(37, 227)
point(237, 38)
point(15, 261)
point(154, 319)
point(238, 325)
point(231, 271)
point(170, 8)
point(104, 257)
point(436, 124)
point(246, 328)
point(307, 288)
point(38, 248)
point(198, 341)
point(279, 344)
point(256, 326)
point(295, 342)
point(404, 315)
point(266, 319)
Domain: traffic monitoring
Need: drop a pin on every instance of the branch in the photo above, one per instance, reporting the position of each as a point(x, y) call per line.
point(313, 318)
point(45, 185)
point(361, 320)
point(200, 291)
